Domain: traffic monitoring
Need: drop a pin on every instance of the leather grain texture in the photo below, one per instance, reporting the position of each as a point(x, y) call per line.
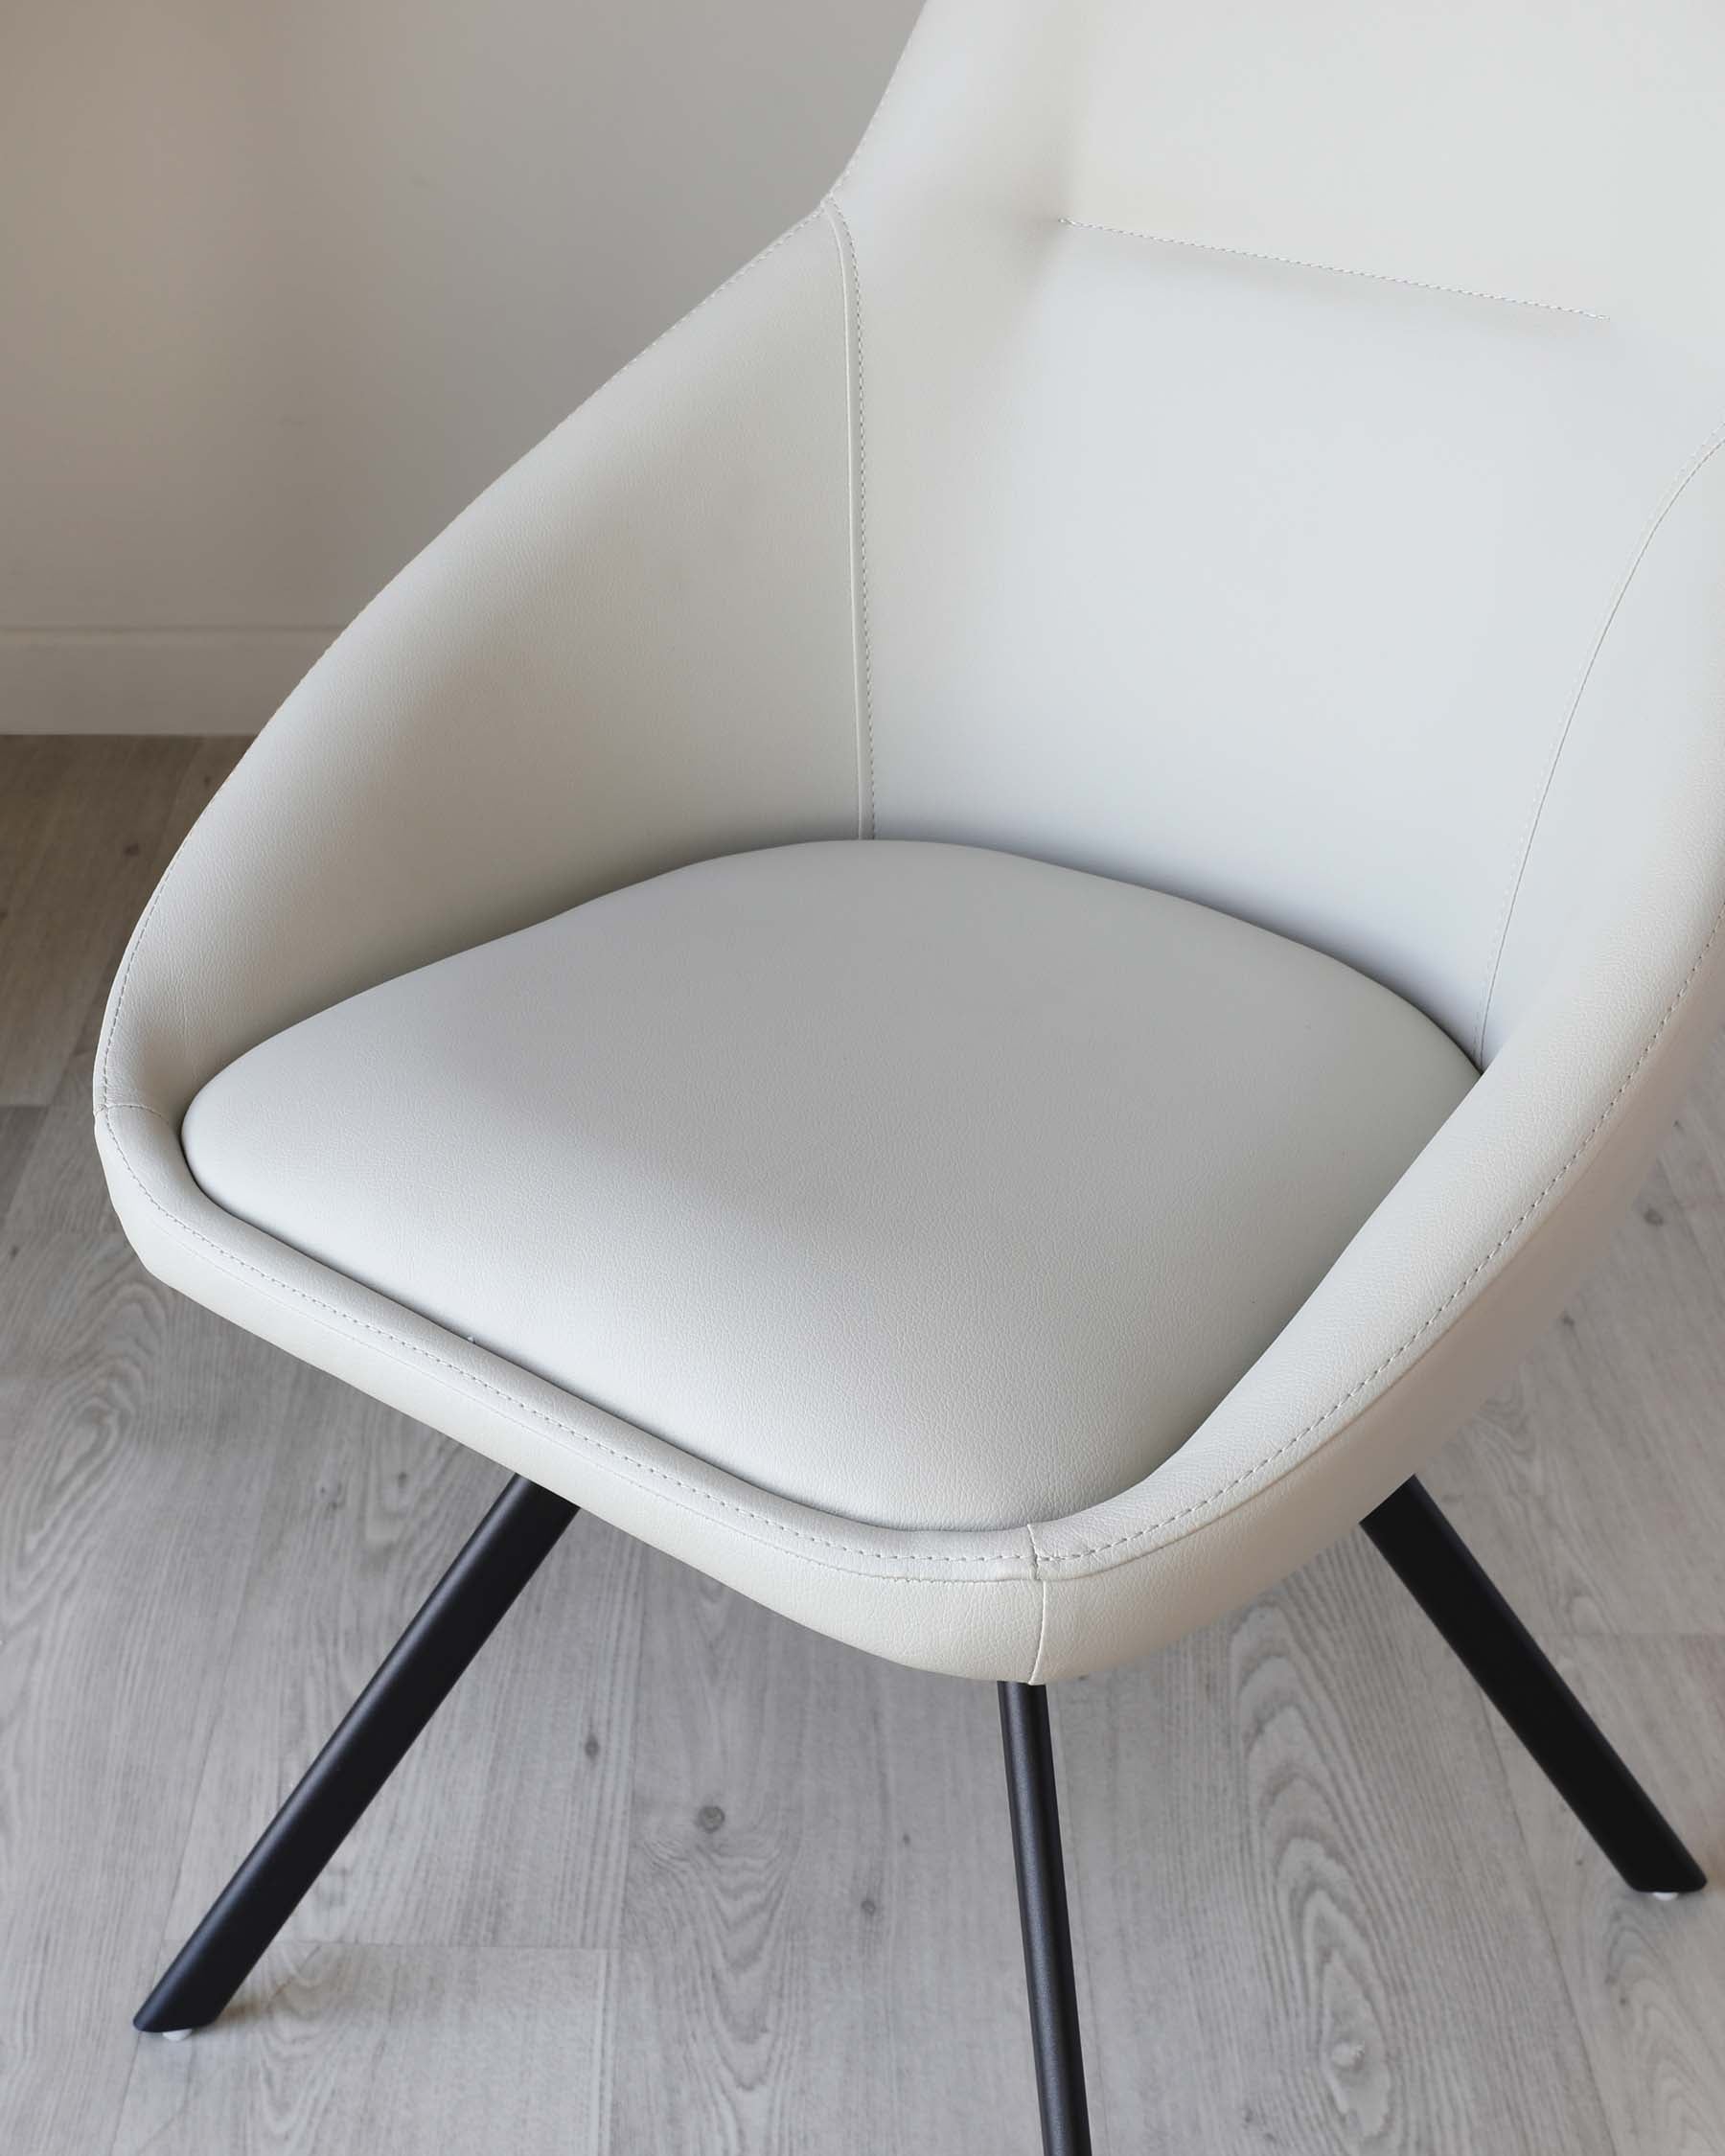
point(1266, 455)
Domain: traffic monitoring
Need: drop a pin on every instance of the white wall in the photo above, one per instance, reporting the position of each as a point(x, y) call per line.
point(285, 282)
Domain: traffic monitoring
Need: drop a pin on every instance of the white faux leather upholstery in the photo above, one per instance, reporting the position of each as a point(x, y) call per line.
point(1265, 454)
point(929, 1186)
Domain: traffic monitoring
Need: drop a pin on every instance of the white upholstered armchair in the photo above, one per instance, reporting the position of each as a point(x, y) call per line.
point(982, 951)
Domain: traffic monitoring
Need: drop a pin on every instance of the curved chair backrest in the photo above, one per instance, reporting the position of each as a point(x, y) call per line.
point(1264, 451)
point(1286, 464)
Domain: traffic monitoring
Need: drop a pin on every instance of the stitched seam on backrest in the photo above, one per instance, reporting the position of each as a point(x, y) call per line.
point(861, 658)
point(1531, 829)
point(1329, 268)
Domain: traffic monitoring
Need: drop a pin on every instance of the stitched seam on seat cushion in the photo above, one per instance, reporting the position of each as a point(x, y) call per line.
point(229, 1262)
point(1154, 1527)
point(1329, 268)
point(1673, 494)
point(863, 660)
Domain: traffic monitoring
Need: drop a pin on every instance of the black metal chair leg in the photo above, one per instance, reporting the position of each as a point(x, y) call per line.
point(1043, 1915)
point(456, 1619)
point(1441, 1573)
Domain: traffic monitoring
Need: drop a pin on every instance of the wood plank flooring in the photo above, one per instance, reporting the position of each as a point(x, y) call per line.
point(669, 1875)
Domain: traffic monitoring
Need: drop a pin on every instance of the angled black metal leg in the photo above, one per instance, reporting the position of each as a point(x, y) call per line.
point(1043, 1915)
point(1444, 1578)
point(456, 1619)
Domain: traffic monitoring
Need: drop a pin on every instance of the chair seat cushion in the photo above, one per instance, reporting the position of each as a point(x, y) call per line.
point(925, 1185)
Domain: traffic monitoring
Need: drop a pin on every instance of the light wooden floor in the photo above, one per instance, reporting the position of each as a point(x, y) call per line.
point(671, 1875)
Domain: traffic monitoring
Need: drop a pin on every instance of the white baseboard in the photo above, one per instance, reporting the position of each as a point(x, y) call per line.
point(148, 680)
